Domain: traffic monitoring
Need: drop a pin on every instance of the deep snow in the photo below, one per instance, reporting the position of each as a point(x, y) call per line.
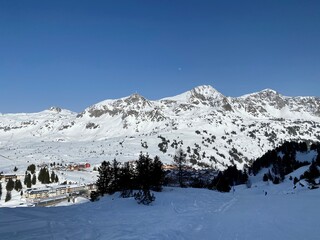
point(189, 213)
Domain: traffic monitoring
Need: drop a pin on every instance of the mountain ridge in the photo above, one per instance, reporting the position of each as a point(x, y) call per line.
point(213, 129)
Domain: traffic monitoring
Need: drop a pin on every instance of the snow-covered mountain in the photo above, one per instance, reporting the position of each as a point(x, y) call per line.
point(213, 129)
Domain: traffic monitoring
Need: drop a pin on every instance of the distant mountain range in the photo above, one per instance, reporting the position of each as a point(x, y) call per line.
point(214, 130)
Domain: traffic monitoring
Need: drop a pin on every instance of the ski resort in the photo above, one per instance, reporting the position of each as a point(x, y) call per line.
point(159, 120)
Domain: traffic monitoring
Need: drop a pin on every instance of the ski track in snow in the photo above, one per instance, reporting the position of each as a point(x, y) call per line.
point(225, 206)
point(177, 214)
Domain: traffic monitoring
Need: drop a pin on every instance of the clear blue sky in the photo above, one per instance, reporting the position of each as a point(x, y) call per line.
point(74, 53)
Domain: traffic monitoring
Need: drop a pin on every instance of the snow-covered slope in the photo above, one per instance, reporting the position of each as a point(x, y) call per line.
point(213, 129)
point(176, 214)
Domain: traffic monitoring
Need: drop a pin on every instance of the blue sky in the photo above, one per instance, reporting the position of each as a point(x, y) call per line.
point(74, 53)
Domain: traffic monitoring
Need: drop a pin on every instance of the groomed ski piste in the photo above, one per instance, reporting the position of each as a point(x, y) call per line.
point(264, 211)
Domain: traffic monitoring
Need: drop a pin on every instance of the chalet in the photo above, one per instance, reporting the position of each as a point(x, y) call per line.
point(78, 166)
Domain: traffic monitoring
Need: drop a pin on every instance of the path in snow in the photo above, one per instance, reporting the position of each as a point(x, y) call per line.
point(176, 214)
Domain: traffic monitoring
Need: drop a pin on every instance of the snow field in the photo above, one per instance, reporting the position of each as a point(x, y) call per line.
point(176, 214)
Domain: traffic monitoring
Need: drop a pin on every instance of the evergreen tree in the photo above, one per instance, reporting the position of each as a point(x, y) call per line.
point(44, 176)
point(94, 196)
point(126, 180)
point(8, 196)
point(220, 183)
point(318, 159)
point(0, 190)
point(53, 176)
point(29, 181)
point(32, 168)
point(157, 174)
point(25, 178)
point(265, 177)
point(180, 161)
point(115, 174)
point(10, 185)
point(312, 173)
point(104, 178)
point(56, 179)
point(145, 197)
point(15, 169)
point(34, 179)
point(41, 175)
point(17, 185)
point(276, 180)
point(143, 168)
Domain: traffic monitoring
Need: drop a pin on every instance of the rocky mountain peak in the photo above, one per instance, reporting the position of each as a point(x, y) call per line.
point(135, 98)
point(205, 92)
point(55, 109)
point(207, 95)
point(215, 129)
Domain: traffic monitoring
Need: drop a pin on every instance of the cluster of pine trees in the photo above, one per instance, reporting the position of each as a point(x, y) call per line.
point(281, 161)
point(227, 178)
point(313, 172)
point(16, 185)
point(45, 177)
point(142, 175)
point(30, 176)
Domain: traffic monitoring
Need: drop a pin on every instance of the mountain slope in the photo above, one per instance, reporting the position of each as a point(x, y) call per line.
point(176, 214)
point(213, 129)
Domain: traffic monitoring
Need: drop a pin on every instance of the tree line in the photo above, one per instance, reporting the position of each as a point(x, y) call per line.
point(282, 161)
point(142, 175)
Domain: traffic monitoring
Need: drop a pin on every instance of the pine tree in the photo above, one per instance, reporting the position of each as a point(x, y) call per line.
point(157, 174)
point(17, 185)
point(25, 178)
point(46, 176)
point(34, 179)
point(0, 190)
point(94, 196)
point(220, 183)
point(56, 179)
point(32, 168)
point(10, 185)
point(295, 180)
point(180, 161)
point(41, 175)
point(8, 196)
point(276, 180)
point(53, 176)
point(15, 169)
point(126, 181)
point(29, 182)
point(318, 159)
point(312, 173)
point(143, 168)
point(115, 174)
point(104, 178)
